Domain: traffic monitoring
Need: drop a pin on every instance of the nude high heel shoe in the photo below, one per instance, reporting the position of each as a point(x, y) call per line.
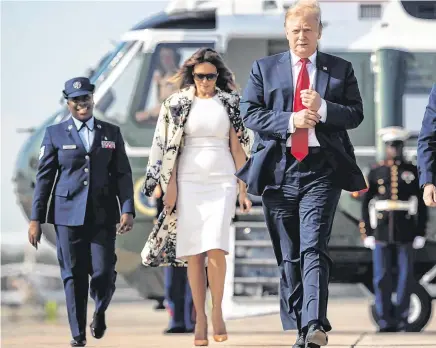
point(221, 337)
point(202, 343)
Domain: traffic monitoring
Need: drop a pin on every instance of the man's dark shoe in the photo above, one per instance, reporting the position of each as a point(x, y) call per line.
point(78, 342)
point(316, 336)
point(301, 340)
point(178, 330)
point(98, 325)
point(387, 329)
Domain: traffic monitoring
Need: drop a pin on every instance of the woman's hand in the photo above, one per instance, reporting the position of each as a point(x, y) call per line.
point(244, 202)
point(157, 191)
point(170, 197)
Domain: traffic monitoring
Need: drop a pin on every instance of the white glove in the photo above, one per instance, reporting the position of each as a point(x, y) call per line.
point(418, 242)
point(369, 242)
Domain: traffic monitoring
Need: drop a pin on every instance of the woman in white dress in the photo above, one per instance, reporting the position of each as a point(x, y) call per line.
point(200, 142)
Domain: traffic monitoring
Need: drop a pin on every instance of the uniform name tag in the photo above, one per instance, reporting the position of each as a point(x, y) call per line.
point(108, 144)
point(69, 147)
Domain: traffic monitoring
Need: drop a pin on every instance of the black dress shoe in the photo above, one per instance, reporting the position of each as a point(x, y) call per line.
point(98, 325)
point(387, 329)
point(301, 340)
point(316, 336)
point(78, 342)
point(178, 330)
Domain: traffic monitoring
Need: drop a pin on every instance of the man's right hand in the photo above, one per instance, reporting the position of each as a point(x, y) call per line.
point(35, 233)
point(306, 119)
point(429, 195)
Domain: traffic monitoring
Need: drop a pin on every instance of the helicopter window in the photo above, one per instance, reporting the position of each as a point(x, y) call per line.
point(420, 74)
point(139, 88)
point(167, 60)
point(364, 134)
point(114, 105)
point(108, 62)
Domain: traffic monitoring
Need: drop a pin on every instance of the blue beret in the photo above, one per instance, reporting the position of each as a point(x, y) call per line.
point(78, 86)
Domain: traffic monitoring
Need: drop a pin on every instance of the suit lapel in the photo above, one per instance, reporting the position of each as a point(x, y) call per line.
point(322, 74)
point(284, 69)
point(73, 134)
point(97, 135)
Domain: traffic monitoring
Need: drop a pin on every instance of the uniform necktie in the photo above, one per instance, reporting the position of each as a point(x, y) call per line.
point(85, 126)
point(300, 138)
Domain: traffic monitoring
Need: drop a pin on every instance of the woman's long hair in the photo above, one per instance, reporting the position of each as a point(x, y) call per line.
point(184, 78)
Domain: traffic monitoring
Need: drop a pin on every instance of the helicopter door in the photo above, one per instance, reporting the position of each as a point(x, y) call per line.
point(151, 90)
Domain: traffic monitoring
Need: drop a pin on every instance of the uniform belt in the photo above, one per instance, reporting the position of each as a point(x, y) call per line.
point(387, 205)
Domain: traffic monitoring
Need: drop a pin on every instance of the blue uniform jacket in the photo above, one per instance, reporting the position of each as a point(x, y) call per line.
point(69, 174)
point(266, 107)
point(427, 143)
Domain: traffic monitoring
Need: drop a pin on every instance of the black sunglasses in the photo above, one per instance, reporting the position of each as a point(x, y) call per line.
point(208, 77)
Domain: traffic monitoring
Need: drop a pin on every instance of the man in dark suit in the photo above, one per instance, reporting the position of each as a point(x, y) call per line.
point(394, 219)
point(84, 167)
point(427, 151)
point(300, 104)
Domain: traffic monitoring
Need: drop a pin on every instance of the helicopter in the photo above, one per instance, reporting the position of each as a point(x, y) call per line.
point(393, 52)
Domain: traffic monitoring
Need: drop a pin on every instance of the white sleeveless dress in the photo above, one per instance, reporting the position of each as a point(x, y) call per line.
point(207, 186)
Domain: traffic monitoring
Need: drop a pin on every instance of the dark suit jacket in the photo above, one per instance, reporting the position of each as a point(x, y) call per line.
point(266, 107)
point(104, 174)
point(427, 143)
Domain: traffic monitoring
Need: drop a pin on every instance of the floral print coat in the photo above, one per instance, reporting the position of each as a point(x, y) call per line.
point(160, 248)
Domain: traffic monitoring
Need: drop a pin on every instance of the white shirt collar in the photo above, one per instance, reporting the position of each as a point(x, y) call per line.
point(295, 59)
point(89, 123)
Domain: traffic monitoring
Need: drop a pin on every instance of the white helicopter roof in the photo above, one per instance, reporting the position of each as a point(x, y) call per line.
point(265, 19)
point(398, 30)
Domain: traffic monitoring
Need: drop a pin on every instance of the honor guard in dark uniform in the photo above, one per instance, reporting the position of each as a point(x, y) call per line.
point(83, 166)
point(394, 223)
point(178, 296)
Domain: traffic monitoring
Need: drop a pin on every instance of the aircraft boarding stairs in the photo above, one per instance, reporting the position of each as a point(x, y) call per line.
point(252, 274)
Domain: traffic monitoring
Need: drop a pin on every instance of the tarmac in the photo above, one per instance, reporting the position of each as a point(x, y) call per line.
point(137, 324)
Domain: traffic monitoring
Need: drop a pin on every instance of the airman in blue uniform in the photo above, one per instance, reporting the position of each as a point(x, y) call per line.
point(394, 220)
point(83, 166)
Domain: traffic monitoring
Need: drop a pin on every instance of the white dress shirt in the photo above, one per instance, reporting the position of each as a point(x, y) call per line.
point(86, 133)
point(311, 69)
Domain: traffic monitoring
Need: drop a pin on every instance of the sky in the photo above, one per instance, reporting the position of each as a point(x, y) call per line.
point(43, 44)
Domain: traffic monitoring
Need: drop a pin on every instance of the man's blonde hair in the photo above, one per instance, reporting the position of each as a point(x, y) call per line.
point(299, 7)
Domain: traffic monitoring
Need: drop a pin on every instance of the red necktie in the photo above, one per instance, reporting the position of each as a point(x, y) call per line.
point(300, 139)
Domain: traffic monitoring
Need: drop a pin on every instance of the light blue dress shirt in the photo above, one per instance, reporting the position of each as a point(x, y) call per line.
point(86, 133)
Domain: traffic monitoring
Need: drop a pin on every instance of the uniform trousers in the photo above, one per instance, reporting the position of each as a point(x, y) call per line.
point(83, 251)
point(389, 315)
point(178, 298)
